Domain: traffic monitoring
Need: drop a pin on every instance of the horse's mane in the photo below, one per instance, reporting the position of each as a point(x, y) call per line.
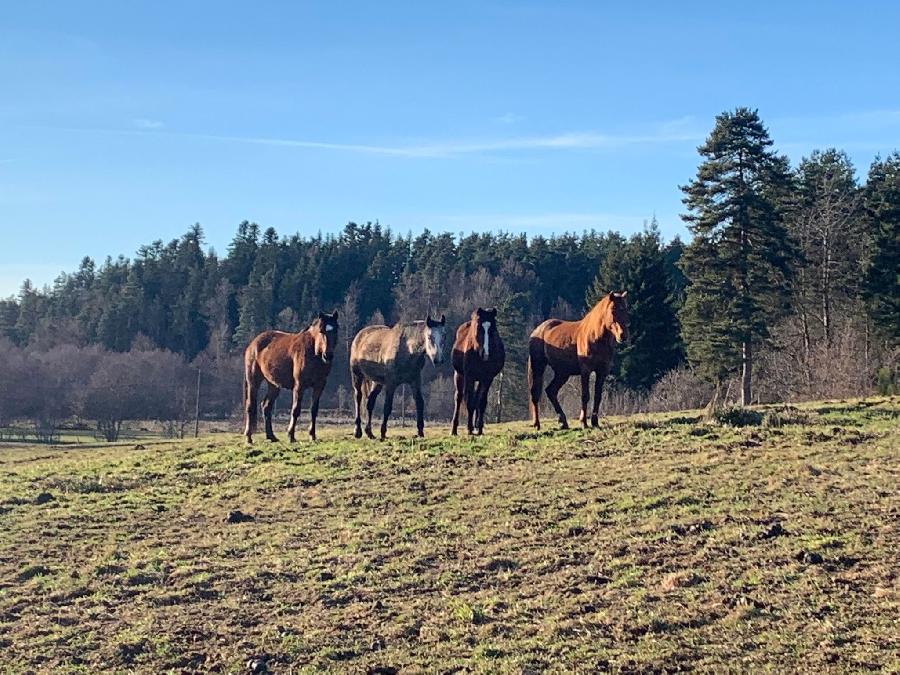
point(597, 320)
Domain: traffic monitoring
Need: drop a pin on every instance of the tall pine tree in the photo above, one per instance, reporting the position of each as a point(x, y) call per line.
point(882, 283)
point(739, 261)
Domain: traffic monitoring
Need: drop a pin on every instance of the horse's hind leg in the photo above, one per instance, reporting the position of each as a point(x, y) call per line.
point(252, 381)
point(359, 386)
point(267, 406)
point(552, 390)
point(370, 406)
point(389, 406)
point(537, 364)
point(459, 383)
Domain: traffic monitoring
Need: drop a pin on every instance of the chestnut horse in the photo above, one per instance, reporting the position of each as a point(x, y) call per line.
point(478, 358)
point(576, 348)
point(385, 358)
point(294, 361)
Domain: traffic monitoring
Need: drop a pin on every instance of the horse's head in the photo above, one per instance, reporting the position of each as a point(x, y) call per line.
point(326, 330)
point(618, 315)
point(435, 334)
point(483, 322)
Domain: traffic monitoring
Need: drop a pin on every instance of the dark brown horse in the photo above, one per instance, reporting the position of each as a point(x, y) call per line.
point(478, 358)
point(295, 361)
point(576, 348)
point(385, 358)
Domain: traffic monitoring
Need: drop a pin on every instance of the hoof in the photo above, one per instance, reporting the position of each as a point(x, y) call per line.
point(370, 434)
point(453, 432)
point(357, 433)
point(595, 422)
point(272, 439)
point(563, 425)
point(312, 437)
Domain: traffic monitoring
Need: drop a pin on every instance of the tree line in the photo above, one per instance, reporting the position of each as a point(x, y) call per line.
point(787, 289)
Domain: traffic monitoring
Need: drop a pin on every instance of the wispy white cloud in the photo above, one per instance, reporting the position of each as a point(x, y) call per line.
point(563, 141)
point(579, 140)
point(509, 118)
point(143, 123)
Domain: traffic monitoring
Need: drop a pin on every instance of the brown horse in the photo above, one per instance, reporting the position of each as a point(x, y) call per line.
point(294, 361)
point(478, 358)
point(385, 358)
point(576, 348)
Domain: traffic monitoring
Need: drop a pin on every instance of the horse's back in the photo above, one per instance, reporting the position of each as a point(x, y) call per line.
point(544, 326)
point(367, 342)
point(554, 341)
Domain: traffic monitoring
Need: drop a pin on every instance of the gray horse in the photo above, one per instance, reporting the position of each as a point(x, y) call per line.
point(385, 358)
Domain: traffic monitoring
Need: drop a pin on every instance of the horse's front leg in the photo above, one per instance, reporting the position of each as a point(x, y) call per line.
point(471, 405)
point(459, 383)
point(295, 410)
point(598, 396)
point(585, 397)
point(420, 408)
point(388, 407)
point(484, 389)
point(314, 411)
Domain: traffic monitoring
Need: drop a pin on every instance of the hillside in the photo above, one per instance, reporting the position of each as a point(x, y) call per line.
point(656, 542)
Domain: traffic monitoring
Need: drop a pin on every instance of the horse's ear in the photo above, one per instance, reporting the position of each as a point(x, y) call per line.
point(322, 316)
point(443, 319)
point(492, 311)
point(623, 294)
point(428, 319)
point(334, 315)
point(611, 294)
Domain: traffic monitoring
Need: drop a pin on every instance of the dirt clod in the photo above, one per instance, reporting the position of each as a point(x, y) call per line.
point(258, 665)
point(238, 517)
point(774, 530)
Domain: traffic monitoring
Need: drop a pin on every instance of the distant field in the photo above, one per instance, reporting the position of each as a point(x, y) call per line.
point(658, 542)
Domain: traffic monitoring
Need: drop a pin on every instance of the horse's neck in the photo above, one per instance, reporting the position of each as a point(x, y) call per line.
point(415, 341)
point(593, 325)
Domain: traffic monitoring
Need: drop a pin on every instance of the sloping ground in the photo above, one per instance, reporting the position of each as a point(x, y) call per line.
point(655, 543)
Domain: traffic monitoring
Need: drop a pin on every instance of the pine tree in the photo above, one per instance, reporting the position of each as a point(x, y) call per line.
point(882, 282)
point(654, 346)
point(739, 261)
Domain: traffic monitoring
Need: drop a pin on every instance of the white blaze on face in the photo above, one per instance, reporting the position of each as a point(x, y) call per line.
point(329, 328)
point(487, 342)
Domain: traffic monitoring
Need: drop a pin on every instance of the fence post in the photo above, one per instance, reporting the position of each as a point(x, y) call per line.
point(197, 407)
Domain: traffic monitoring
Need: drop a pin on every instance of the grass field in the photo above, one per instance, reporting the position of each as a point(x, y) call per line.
point(656, 543)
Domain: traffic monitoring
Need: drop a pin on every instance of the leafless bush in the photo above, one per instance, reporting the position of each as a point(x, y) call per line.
point(679, 389)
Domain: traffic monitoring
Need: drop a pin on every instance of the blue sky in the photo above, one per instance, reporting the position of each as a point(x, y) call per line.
point(125, 122)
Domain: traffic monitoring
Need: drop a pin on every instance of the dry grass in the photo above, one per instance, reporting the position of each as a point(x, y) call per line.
point(655, 543)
